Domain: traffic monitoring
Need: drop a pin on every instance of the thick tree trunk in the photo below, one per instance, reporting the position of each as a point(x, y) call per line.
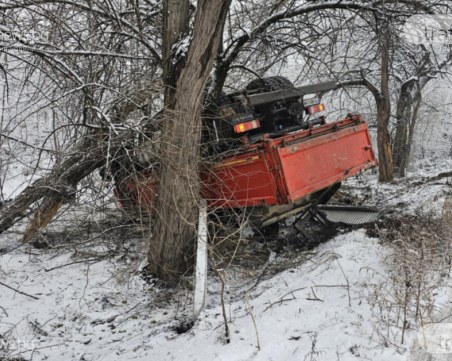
point(407, 111)
point(384, 112)
point(172, 245)
point(400, 140)
point(384, 143)
point(175, 27)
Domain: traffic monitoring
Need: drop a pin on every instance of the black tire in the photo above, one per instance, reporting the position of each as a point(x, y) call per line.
point(269, 84)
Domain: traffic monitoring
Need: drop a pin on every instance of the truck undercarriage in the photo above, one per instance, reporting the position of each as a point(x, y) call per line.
point(274, 156)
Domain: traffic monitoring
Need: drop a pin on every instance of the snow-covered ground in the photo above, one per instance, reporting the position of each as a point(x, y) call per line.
point(320, 310)
point(337, 302)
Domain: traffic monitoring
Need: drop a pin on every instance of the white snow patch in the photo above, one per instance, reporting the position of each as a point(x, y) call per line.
point(318, 310)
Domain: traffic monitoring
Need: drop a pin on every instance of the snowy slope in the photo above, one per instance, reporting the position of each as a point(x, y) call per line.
point(319, 310)
point(334, 304)
point(337, 303)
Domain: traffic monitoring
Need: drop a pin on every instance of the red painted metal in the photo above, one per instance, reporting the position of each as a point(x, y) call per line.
point(281, 170)
point(309, 166)
point(240, 181)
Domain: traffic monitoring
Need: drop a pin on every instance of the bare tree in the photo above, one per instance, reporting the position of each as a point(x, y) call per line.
point(93, 67)
point(426, 63)
point(118, 72)
point(370, 51)
point(383, 101)
point(178, 191)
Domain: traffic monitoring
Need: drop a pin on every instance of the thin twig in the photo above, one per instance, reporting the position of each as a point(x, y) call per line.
point(16, 290)
point(348, 283)
point(219, 272)
point(71, 263)
point(26, 144)
point(6, 313)
point(249, 310)
point(226, 327)
point(282, 299)
point(314, 296)
point(37, 328)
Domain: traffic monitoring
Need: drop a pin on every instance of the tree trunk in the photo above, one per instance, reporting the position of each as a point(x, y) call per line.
point(89, 154)
point(172, 245)
point(407, 111)
point(175, 27)
point(384, 112)
point(412, 127)
point(400, 140)
point(384, 143)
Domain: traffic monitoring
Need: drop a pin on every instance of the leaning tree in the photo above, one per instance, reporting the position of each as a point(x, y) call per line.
point(119, 72)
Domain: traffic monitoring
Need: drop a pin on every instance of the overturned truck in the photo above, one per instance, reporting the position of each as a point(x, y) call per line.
point(276, 156)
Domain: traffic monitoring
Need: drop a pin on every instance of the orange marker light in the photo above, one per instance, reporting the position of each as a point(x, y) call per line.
point(315, 109)
point(244, 127)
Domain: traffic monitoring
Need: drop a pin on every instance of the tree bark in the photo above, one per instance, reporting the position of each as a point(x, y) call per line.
point(384, 111)
point(403, 116)
point(58, 187)
point(175, 27)
point(172, 245)
point(408, 105)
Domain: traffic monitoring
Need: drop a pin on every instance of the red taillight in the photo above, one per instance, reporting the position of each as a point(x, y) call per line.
point(315, 108)
point(244, 127)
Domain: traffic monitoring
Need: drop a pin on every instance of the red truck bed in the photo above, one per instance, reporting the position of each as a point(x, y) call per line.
point(283, 170)
point(280, 171)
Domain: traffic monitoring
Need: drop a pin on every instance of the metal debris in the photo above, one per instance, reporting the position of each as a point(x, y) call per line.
point(351, 215)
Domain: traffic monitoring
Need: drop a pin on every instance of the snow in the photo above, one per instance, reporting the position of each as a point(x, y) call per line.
point(318, 310)
point(181, 48)
point(410, 195)
point(300, 313)
point(325, 306)
point(336, 302)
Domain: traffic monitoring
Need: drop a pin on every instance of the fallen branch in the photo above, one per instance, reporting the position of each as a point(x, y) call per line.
point(94, 260)
point(44, 197)
point(18, 291)
point(4, 311)
point(433, 179)
point(282, 299)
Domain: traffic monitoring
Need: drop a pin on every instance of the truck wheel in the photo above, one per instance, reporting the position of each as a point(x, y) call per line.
point(269, 84)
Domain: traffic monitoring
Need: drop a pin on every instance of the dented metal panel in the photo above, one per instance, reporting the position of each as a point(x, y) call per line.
point(281, 171)
point(240, 181)
point(314, 164)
